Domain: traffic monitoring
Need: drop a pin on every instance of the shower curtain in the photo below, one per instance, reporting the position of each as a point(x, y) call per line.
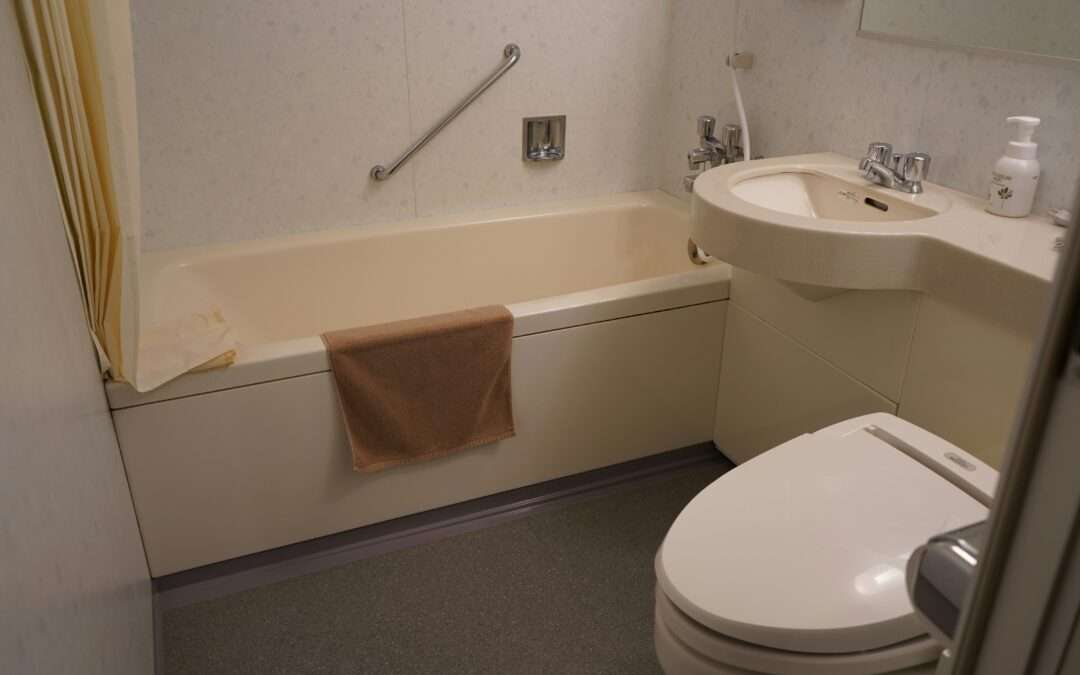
point(80, 58)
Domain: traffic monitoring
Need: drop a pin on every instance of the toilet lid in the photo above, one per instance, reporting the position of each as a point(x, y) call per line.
point(804, 547)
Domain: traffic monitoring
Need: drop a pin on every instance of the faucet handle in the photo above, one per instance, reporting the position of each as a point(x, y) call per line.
point(730, 138)
point(915, 167)
point(706, 125)
point(879, 152)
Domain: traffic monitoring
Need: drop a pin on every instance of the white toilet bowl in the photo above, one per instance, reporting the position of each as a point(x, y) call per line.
point(794, 561)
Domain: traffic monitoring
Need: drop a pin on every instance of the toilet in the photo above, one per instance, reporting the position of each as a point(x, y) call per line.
point(794, 562)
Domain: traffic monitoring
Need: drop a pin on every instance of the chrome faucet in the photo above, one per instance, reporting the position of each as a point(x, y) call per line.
point(899, 172)
point(712, 151)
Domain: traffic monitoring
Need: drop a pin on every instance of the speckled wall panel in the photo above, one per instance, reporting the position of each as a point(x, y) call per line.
point(263, 118)
point(259, 118)
point(817, 86)
point(702, 35)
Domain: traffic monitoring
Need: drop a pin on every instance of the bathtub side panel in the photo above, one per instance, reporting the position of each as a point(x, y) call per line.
point(233, 472)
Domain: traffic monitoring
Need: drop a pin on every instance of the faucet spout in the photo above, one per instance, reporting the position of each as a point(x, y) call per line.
point(877, 172)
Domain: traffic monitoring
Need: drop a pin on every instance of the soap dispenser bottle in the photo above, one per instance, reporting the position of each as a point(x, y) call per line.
point(1016, 174)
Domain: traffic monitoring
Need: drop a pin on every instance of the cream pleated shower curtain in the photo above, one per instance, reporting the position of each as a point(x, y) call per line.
point(81, 63)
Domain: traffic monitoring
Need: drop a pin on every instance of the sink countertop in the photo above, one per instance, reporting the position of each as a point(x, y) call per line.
point(960, 253)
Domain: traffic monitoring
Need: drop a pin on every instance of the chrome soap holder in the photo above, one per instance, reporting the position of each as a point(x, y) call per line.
point(543, 138)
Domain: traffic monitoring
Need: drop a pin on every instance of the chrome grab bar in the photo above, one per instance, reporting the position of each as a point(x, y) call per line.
point(511, 53)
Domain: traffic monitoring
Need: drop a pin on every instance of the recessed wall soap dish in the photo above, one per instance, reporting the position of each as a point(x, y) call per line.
point(543, 138)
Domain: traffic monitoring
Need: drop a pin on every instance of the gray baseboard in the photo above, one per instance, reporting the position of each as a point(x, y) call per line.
point(267, 567)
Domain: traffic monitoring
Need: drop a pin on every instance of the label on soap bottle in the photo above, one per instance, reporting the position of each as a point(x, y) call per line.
point(1009, 197)
point(999, 189)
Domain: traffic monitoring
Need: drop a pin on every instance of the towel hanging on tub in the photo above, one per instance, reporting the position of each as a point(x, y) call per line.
point(421, 388)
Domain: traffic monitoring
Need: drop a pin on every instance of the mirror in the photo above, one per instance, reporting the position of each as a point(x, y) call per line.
point(1040, 27)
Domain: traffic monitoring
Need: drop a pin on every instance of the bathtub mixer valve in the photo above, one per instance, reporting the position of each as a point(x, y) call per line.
point(712, 151)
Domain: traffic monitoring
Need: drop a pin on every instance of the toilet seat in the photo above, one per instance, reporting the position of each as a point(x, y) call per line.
point(803, 549)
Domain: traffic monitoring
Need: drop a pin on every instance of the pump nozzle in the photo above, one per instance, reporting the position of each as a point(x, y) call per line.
point(1024, 127)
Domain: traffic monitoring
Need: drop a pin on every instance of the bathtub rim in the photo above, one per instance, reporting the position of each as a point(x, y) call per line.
point(285, 359)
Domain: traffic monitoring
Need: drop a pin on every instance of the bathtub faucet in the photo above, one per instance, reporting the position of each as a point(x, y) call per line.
point(712, 151)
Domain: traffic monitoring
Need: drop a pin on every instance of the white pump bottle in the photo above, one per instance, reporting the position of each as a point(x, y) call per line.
point(1016, 174)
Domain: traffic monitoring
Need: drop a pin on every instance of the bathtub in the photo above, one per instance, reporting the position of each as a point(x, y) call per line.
point(616, 355)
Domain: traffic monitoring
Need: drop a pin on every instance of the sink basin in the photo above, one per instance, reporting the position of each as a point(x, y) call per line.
point(815, 222)
point(818, 195)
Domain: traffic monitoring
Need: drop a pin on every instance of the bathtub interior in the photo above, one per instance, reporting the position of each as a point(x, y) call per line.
point(300, 286)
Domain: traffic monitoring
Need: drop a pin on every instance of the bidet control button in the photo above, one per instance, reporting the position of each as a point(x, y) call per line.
point(959, 461)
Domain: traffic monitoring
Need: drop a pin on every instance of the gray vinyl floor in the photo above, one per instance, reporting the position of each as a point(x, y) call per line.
point(564, 590)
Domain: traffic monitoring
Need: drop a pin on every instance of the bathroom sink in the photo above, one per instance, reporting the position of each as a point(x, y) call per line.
point(818, 195)
point(815, 222)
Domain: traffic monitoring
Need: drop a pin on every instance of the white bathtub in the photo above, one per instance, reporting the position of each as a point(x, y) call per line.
point(616, 356)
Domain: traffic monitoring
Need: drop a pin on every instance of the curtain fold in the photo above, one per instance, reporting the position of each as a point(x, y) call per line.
point(80, 58)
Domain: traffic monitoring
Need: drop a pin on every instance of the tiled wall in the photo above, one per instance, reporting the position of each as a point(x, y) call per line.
point(264, 117)
point(817, 86)
point(74, 589)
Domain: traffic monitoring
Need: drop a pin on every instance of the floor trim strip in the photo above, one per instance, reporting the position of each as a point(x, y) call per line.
point(267, 567)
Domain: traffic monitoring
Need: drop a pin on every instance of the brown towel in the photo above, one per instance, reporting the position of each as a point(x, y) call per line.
point(416, 389)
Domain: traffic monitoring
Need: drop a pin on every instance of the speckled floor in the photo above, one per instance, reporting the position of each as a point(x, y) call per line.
point(561, 591)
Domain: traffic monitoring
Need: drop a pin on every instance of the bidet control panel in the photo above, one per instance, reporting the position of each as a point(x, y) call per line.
point(940, 574)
